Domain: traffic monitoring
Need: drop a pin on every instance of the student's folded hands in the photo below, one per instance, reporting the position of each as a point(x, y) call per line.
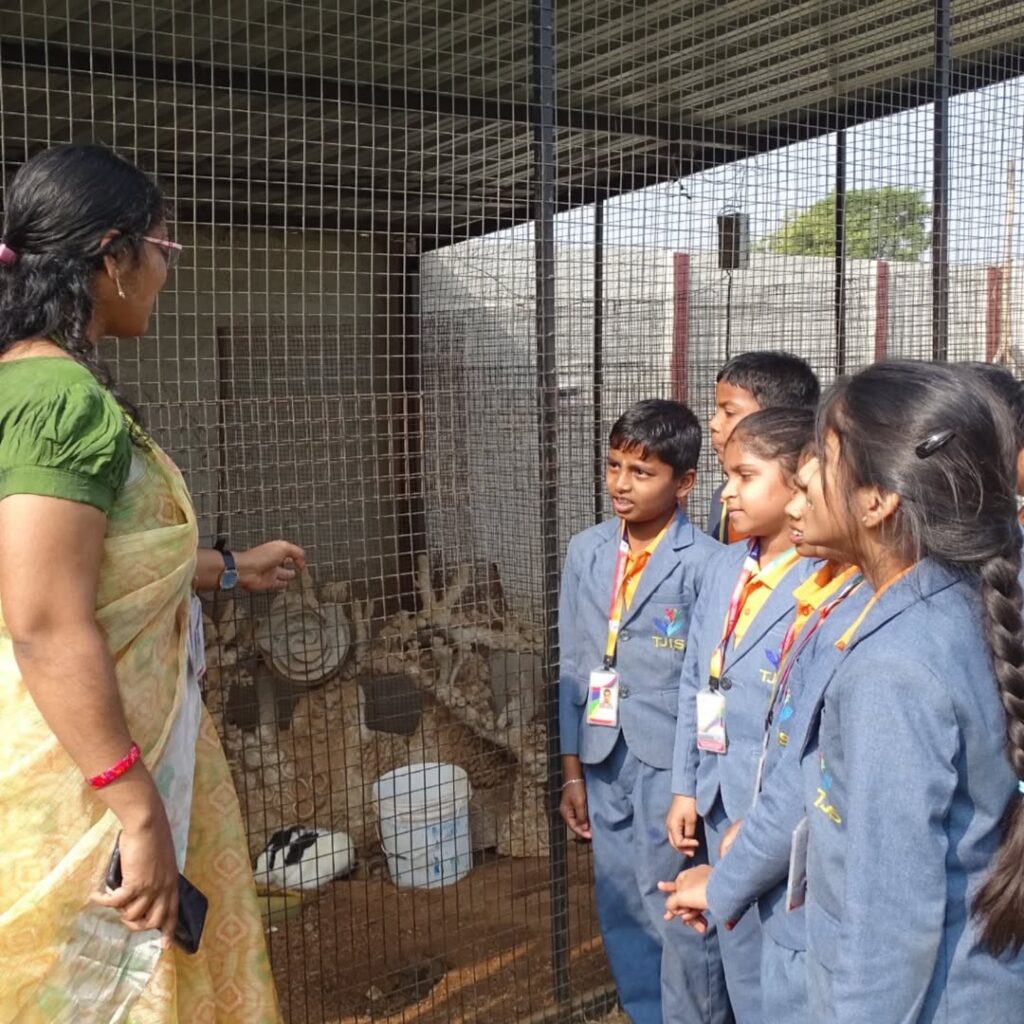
point(688, 897)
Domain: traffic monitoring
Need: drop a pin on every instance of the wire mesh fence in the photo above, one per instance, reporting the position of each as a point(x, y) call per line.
point(432, 251)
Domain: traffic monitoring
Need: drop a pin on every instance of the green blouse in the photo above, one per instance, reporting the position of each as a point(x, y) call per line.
point(62, 435)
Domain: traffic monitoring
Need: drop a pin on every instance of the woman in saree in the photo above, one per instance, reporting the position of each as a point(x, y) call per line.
point(105, 739)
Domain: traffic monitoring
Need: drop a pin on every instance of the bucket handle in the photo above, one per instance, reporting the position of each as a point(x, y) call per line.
point(387, 852)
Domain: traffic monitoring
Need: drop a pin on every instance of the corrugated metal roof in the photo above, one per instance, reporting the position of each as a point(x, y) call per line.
point(415, 117)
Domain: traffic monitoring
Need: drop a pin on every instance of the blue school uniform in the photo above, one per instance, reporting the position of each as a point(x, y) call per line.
point(723, 784)
point(905, 783)
point(757, 864)
point(663, 972)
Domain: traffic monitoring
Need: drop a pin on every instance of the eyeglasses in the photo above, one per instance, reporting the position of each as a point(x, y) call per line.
point(171, 250)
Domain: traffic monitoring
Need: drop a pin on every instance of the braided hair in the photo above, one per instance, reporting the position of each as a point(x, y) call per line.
point(945, 443)
point(1000, 901)
point(58, 209)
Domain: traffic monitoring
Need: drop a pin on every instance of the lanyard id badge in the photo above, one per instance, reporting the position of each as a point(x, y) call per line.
point(711, 736)
point(196, 642)
point(806, 632)
point(796, 884)
point(603, 698)
point(603, 687)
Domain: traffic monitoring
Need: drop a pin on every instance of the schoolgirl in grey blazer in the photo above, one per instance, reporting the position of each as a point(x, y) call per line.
point(913, 759)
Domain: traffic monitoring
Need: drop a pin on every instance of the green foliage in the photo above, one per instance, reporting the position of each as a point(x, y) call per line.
point(881, 224)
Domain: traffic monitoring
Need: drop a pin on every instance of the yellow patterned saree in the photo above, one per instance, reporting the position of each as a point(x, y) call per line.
point(63, 959)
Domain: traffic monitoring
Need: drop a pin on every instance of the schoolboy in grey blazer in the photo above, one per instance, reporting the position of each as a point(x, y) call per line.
point(617, 776)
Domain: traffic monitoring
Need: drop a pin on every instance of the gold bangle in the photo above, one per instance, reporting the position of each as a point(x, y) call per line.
point(572, 782)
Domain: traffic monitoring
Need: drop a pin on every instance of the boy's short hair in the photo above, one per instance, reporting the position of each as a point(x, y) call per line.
point(657, 426)
point(1006, 387)
point(774, 379)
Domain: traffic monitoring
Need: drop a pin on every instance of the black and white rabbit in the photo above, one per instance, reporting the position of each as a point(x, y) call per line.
point(304, 858)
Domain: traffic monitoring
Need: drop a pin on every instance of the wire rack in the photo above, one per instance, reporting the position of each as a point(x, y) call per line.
point(433, 251)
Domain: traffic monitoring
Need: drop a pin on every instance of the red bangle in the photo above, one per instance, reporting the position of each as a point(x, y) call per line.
point(117, 770)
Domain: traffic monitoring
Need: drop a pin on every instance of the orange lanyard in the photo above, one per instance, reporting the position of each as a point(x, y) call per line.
point(736, 602)
point(739, 597)
point(849, 581)
point(624, 575)
point(839, 583)
point(847, 638)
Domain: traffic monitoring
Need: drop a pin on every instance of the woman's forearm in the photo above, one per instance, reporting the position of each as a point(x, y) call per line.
point(70, 676)
point(209, 567)
point(267, 567)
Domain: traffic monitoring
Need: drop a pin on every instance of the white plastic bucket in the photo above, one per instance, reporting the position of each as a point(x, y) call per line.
point(423, 813)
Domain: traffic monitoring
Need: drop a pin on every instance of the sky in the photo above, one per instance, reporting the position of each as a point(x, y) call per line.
point(987, 132)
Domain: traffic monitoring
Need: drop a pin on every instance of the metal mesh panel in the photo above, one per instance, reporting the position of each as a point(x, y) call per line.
point(433, 251)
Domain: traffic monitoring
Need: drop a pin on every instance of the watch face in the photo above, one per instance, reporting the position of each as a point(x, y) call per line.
point(228, 578)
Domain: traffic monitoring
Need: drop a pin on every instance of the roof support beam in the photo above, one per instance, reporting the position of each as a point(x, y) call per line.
point(315, 89)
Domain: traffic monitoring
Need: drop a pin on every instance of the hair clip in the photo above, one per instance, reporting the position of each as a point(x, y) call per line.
point(930, 445)
point(7, 255)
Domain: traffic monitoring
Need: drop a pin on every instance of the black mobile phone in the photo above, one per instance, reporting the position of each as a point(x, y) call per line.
point(192, 905)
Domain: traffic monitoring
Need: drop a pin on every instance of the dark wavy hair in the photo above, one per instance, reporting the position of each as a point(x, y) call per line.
point(777, 435)
point(58, 208)
point(940, 439)
point(1006, 386)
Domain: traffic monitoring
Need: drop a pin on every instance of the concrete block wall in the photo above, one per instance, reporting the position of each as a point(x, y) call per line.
point(271, 373)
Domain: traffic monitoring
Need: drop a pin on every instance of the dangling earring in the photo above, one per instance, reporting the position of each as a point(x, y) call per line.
point(120, 290)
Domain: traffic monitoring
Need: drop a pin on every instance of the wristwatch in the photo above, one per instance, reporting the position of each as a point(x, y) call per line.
point(229, 577)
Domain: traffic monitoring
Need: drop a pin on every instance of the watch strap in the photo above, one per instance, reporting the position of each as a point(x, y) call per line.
point(229, 577)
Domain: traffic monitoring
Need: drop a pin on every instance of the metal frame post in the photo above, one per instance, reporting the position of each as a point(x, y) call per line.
point(411, 502)
point(544, 200)
point(598, 355)
point(839, 285)
point(940, 182)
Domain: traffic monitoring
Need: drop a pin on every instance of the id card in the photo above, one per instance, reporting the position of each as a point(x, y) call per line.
point(603, 697)
point(759, 776)
point(796, 886)
point(196, 640)
point(711, 721)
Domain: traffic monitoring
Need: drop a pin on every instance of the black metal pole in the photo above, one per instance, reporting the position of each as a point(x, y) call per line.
point(728, 315)
point(411, 502)
point(839, 296)
point(543, 116)
point(940, 183)
point(598, 375)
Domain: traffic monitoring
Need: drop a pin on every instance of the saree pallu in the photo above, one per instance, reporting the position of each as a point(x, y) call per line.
point(63, 959)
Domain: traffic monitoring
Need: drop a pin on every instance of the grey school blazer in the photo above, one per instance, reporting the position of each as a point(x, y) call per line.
point(750, 670)
point(758, 861)
point(905, 783)
point(652, 639)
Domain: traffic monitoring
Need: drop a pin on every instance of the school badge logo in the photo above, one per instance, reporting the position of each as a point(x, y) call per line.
point(671, 624)
point(769, 676)
point(667, 628)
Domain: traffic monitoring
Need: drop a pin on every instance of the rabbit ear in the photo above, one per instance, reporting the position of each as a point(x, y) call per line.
point(280, 839)
point(298, 847)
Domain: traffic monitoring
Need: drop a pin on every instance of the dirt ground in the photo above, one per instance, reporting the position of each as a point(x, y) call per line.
point(362, 950)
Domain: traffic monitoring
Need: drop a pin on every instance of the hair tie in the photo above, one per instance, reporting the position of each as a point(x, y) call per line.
point(930, 445)
point(7, 255)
